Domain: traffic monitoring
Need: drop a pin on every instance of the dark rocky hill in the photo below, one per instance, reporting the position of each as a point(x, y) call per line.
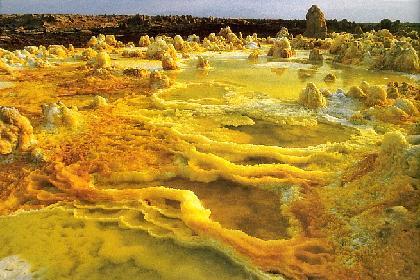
point(17, 31)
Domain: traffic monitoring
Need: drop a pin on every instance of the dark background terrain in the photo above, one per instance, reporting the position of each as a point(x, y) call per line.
point(17, 31)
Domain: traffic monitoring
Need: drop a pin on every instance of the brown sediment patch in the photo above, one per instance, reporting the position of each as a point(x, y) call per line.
point(254, 211)
point(267, 133)
point(107, 84)
point(206, 93)
point(365, 165)
point(71, 83)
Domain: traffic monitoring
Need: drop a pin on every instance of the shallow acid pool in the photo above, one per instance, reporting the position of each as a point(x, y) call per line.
point(59, 246)
point(279, 78)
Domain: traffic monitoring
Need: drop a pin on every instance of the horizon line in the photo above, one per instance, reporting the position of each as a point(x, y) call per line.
point(216, 17)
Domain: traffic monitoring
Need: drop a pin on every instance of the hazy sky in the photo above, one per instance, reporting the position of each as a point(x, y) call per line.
point(357, 10)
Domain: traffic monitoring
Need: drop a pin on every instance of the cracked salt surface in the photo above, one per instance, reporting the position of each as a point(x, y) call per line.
point(340, 106)
point(4, 84)
point(14, 268)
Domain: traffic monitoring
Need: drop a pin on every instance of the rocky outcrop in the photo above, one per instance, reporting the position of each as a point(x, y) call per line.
point(330, 78)
point(202, 62)
point(159, 48)
point(57, 115)
point(283, 33)
point(16, 132)
point(375, 95)
point(316, 25)
point(168, 62)
point(311, 97)
point(254, 55)
point(144, 41)
point(315, 55)
point(400, 57)
point(103, 60)
point(281, 49)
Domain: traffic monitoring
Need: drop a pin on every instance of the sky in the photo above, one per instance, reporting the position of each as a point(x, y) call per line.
point(353, 10)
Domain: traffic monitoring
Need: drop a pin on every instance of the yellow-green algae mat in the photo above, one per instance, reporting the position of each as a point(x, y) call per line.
point(60, 246)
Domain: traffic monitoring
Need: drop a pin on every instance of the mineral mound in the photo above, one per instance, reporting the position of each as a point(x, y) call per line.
point(316, 25)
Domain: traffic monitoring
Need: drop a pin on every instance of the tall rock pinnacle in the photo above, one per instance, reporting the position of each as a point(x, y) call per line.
point(316, 26)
